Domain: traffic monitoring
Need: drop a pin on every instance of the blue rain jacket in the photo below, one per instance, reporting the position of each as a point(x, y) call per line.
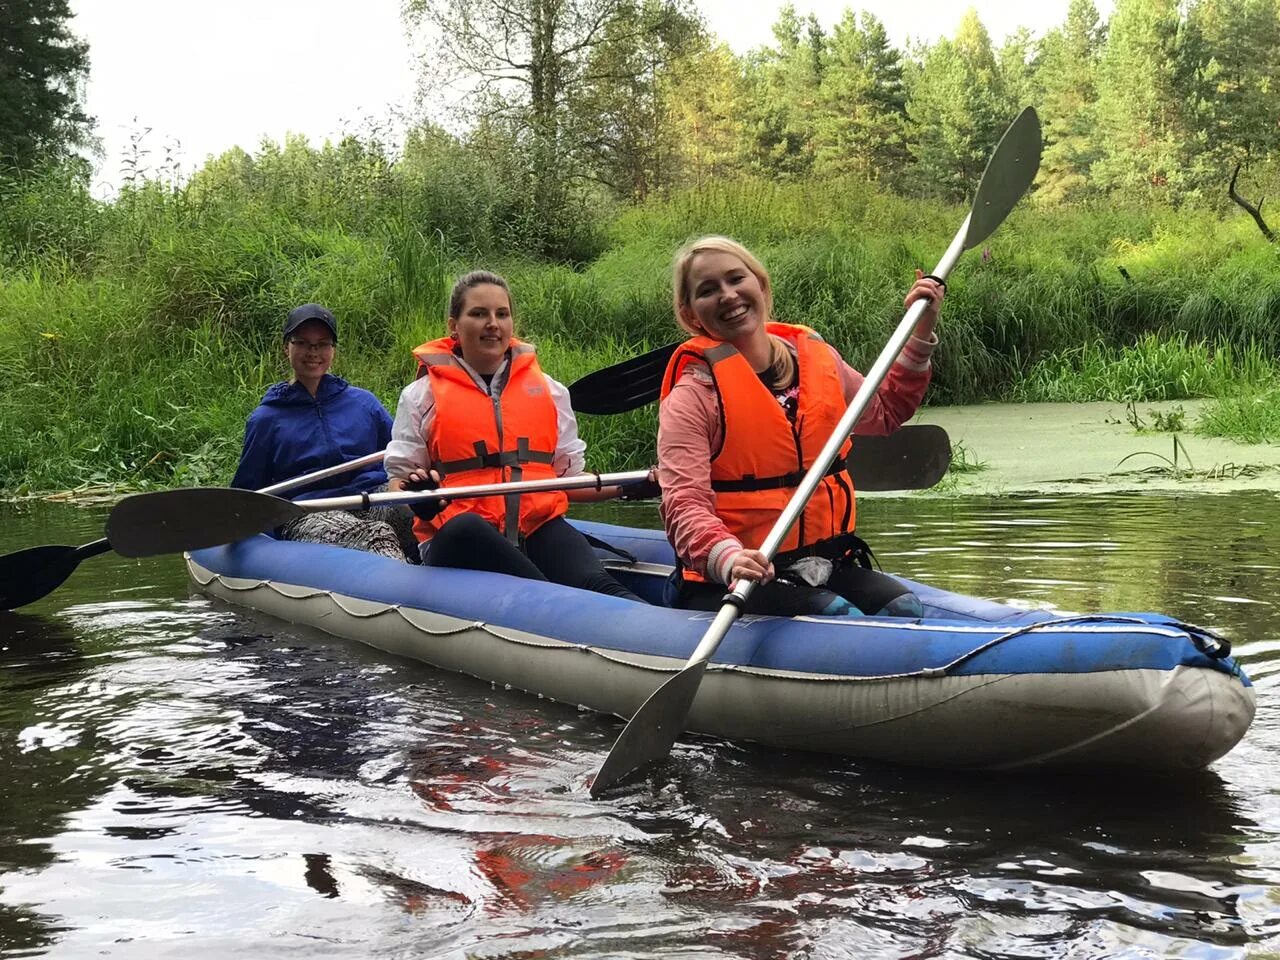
point(292, 433)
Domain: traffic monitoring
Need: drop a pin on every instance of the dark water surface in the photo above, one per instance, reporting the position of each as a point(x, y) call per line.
point(181, 779)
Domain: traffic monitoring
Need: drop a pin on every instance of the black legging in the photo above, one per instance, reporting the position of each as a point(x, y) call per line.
point(851, 589)
point(556, 551)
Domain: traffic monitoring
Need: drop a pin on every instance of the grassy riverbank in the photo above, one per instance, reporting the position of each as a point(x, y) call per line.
point(136, 336)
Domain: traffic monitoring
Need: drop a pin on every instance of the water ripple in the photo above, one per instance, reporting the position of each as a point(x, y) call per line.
point(183, 778)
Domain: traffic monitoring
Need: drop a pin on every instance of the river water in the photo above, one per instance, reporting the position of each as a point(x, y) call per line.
point(184, 779)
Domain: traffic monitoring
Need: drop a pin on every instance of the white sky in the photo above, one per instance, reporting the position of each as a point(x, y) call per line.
point(203, 77)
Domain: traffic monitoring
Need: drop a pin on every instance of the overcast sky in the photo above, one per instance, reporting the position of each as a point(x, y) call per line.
point(203, 77)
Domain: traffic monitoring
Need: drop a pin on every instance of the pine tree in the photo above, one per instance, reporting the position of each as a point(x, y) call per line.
point(784, 82)
point(708, 107)
point(1143, 96)
point(42, 68)
point(1239, 81)
point(1067, 79)
point(958, 109)
point(1017, 68)
point(861, 122)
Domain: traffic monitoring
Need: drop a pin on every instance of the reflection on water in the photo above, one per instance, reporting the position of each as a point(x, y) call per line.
point(183, 778)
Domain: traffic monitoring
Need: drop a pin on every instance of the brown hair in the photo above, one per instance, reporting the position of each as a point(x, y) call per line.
point(683, 263)
point(469, 281)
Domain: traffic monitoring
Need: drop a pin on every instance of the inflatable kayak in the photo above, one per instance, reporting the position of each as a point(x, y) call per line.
point(972, 683)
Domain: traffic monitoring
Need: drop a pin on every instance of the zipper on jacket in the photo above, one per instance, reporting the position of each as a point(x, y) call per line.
point(334, 452)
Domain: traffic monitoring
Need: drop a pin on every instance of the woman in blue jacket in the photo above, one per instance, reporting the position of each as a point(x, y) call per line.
point(317, 420)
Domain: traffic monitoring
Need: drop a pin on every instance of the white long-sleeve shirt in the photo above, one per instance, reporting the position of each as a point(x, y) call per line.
point(416, 411)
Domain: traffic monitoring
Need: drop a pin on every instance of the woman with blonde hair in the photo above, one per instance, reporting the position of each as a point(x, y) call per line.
point(747, 405)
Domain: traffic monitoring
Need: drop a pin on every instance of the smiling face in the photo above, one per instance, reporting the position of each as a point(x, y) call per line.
point(724, 298)
point(484, 327)
point(310, 352)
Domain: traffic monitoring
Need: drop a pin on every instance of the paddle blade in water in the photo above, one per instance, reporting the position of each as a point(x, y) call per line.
point(173, 521)
point(1009, 173)
point(30, 574)
point(650, 734)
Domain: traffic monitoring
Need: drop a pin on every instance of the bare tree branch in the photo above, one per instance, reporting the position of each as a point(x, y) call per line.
point(1254, 211)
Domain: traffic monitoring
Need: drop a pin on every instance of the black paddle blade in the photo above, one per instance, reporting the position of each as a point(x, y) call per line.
point(1009, 173)
point(172, 521)
point(624, 386)
point(30, 574)
point(911, 458)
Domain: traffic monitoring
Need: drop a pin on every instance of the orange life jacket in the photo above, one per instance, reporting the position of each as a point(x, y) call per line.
point(475, 438)
point(764, 456)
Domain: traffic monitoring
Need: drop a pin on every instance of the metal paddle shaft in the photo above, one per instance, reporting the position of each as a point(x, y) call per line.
point(28, 575)
point(297, 483)
point(654, 728)
point(192, 518)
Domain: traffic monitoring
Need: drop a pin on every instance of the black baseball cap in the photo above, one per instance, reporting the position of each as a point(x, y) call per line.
point(310, 311)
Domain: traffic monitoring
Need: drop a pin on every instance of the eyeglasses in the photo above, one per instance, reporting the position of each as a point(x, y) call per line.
point(312, 346)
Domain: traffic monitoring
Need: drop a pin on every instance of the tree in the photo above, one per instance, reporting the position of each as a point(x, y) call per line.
point(620, 118)
point(528, 62)
point(708, 96)
point(785, 81)
point(1240, 80)
point(1067, 78)
point(958, 107)
point(1016, 65)
point(861, 126)
point(1143, 97)
point(42, 68)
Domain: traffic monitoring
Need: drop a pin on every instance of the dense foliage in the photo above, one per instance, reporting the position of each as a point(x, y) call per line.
point(622, 98)
point(137, 333)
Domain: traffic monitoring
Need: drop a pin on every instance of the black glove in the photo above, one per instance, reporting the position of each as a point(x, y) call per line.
point(644, 490)
point(429, 508)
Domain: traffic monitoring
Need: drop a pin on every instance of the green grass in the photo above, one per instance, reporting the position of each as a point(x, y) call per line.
point(1155, 368)
point(1241, 380)
point(1248, 416)
point(136, 336)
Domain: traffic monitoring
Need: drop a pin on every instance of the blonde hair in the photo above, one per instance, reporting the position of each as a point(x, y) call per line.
point(782, 367)
point(683, 263)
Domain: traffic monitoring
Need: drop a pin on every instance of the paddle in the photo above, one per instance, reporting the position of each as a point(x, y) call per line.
point(911, 458)
point(654, 728)
point(28, 575)
point(623, 386)
point(172, 521)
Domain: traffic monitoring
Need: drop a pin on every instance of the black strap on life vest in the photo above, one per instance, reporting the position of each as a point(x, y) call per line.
point(842, 547)
point(523, 453)
point(750, 484)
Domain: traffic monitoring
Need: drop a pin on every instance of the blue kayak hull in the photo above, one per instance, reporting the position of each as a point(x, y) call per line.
point(971, 684)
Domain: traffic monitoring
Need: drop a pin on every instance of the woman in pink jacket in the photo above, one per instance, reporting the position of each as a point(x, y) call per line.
point(747, 405)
